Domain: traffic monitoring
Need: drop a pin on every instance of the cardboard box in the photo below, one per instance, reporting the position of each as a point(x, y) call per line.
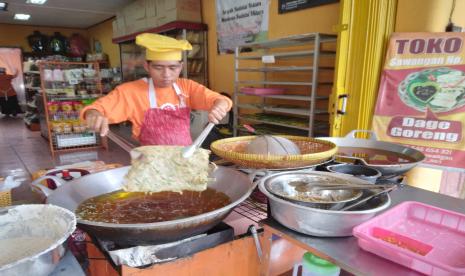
point(145, 14)
point(117, 32)
point(185, 10)
point(150, 8)
point(134, 11)
point(136, 26)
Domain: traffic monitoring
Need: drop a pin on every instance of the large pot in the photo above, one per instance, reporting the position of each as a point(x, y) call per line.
point(33, 236)
point(349, 141)
point(236, 185)
point(319, 222)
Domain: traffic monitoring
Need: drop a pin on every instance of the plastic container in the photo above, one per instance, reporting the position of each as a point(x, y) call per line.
point(315, 266)
point(422, 237)
point(262, 91)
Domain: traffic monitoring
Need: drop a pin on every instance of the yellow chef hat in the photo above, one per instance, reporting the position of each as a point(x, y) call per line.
point(160, 47)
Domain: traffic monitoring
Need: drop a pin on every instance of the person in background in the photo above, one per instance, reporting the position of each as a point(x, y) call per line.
point(159, 106)
point(8, 99)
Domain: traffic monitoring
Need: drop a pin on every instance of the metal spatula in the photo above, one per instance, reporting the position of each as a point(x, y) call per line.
point(188, 151)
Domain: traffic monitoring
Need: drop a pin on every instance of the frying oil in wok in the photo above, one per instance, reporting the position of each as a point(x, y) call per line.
point(376, 156)
point(138, 207)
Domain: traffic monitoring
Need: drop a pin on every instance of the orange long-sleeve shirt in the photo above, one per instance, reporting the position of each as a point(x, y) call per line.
point(129, 101)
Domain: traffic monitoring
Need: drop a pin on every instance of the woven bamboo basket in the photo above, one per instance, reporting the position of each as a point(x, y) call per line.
point(5, 198)
point(313, 152)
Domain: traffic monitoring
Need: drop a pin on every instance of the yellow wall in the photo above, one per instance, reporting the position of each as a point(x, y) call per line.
point(16, 35)
point(103, 33)
point(221, 67)
point(428, 15)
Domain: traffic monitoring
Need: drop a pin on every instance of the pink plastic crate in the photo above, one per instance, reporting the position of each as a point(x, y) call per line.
point(262, 91)
point(422, 237)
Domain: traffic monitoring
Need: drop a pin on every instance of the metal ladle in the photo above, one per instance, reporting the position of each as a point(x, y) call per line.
point(351, 187)
point(189, 150)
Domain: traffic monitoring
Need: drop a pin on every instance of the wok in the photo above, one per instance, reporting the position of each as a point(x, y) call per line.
point(350, 141)
point(236, 185)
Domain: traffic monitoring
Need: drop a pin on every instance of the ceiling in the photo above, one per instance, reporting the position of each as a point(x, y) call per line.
point(63, 13)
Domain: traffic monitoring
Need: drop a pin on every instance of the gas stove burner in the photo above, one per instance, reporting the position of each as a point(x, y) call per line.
point(137, 256)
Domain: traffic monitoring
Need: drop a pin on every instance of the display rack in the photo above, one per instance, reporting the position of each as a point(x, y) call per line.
point(66, 88)
point(283, 85)
point(195, 61)
point(32, 88)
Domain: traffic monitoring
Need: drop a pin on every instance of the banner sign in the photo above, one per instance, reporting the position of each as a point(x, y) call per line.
point(421, 99)
point(239, 22)
point(294, 5)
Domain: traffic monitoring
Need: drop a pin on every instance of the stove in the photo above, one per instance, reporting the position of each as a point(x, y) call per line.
point(142, 256)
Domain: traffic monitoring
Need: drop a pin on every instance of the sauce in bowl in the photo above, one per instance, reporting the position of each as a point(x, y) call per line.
point(139, 207)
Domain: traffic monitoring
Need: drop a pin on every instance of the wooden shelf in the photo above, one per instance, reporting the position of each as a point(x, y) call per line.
point(70, 141)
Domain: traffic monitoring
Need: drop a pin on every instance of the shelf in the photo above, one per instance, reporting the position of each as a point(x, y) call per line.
point(287, 97)
point(73, 140)
point(290, 54)
point(306, 51)
point(32, 87)
point(79, 81)
point(276, 69)
point(276, 82)
point(64, 90)
point(291, 41)
point(65, 98)
point(282, 69)
point(272, 123)
point(294, 111)
point(263, 129)
point(286, 110)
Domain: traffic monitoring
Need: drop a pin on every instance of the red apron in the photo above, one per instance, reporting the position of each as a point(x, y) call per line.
point(167, 125)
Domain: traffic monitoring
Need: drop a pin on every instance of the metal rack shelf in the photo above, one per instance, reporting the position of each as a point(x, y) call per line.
point(286, 110)
point(291, 55)
point(308, 49)
point(272, 123)
point(275, 82)
point(66, 98)
point(291, 41)
point(287, 97)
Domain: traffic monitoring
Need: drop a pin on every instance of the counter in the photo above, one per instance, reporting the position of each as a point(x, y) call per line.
point(345, 251)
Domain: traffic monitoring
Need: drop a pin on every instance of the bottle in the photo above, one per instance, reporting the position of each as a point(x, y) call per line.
point(315, 266)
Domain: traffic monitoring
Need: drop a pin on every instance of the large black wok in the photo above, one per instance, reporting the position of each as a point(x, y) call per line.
point(349, 141)
point(69, 195)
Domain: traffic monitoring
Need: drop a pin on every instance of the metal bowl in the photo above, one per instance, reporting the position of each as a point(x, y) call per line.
point(319, 222)
point(45, 226)
point(297, 187)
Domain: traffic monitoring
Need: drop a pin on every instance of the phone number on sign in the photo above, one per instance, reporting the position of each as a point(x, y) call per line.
point(433, 150)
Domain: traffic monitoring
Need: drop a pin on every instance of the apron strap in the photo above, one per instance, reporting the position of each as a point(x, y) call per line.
point(153, 94)
point(182, 103)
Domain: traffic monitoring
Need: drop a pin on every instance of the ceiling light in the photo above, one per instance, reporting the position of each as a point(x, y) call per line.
point(3, 6)
point(36, 2)
point(22, 16)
